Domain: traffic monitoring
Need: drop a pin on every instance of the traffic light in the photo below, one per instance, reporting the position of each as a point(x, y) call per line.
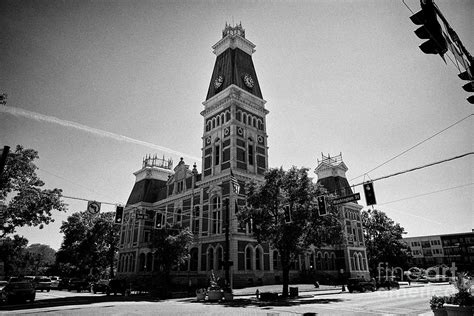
point(287, 211)
point(430, 29)
point(159, 221)
point(469, 87)
point(322, 206)
point(369, 193)
point(118, 214)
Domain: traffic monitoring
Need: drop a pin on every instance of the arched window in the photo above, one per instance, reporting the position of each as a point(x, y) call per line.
point(222, 118)
point(254, 121)
point(326, 261)
point(218, 121)
point(141, 262)
point(219, 258)
point(356, 262)
point(260, 124)
point(227, 116)
point(258, 258)
point(210, 258)
point(216, 213)
point(126, 268)
point(244, 118)
point(149, 261)
point(319, 261)
point(193, 265)
point(208, 126)
point(275, 260)
point(238, 115)
point(248, 258)
point(178, 216)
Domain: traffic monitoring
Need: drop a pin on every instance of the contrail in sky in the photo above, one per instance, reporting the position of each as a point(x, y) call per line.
point(51, 119)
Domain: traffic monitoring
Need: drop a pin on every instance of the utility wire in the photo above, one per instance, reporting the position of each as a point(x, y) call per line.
point(428, 193)
point(417, 168)
point(412, 147)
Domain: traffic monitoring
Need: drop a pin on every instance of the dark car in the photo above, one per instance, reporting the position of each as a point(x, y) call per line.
point(388, 283)
point(19, 291)
point(42, 283)
point(360, 285)
point(100, 286)
point(117, 286)
point(63, 283)
point(78, 284)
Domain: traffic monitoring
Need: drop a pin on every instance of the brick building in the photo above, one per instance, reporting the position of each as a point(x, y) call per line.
point(234, 138)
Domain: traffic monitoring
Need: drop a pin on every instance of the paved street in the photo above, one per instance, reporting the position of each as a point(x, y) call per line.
point(328, 301)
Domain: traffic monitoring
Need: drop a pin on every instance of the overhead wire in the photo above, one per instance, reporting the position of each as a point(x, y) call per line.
point(414, 146)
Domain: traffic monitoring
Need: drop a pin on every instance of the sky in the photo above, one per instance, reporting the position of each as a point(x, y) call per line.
point(94, 86)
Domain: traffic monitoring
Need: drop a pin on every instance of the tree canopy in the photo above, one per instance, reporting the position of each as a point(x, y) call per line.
point(383, 239)
point(12, 251)
point(265, 210)
point(90, 244)
point(28, 204)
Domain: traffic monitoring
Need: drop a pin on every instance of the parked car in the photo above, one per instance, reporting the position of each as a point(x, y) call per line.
point(388, 283)
point(54, 282)
point(19, 291)
point(78, 284)
point(3, 295)
point(42, 283)
point(361, 285)
point(117, 286)
point(100, 286)
point(63, 283)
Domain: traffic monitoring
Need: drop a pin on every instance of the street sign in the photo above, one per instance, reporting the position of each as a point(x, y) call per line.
point(93, 207)
point(346, 199)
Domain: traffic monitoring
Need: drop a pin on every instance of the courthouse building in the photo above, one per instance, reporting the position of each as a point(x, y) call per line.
point(234, 138)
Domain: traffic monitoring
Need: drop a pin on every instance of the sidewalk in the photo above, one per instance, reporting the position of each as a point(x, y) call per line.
point(277, 288)
point(323, 289)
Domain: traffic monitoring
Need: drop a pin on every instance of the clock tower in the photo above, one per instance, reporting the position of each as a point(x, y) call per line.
point(234, 136)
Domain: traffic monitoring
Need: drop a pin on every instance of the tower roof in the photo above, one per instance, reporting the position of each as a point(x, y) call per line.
point(331, 173)
point(234, 65)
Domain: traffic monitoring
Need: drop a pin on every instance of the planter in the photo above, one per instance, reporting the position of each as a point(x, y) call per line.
point(214, 295)
point(200, 296)
point(456, 310)
point(439, 311)
point(228, 296)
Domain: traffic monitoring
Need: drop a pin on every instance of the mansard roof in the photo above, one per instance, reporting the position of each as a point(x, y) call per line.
point(147, 190)
point(233, 64)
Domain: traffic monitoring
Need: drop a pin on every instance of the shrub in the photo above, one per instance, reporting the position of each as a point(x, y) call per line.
point(437, 301)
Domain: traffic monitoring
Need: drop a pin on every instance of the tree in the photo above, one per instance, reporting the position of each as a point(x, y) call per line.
point(39, 257)
point(89, 245)
point(12, 253)
point(383, 240)
point(265, 209)
point(171, 248)
point(29, 205)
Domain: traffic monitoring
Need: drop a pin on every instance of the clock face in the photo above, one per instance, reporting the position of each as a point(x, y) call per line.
point(248, 81)
point(218, 82)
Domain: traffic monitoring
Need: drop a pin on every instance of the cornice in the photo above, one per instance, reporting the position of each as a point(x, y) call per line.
point(233, 93)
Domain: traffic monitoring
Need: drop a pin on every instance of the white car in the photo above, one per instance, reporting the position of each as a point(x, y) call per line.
point(54, 281)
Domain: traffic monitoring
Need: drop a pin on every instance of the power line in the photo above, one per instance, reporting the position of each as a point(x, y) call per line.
point(416, 168)
point(428, 193)
point(423, 141)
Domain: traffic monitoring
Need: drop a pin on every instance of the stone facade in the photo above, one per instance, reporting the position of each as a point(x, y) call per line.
point(234, 144)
